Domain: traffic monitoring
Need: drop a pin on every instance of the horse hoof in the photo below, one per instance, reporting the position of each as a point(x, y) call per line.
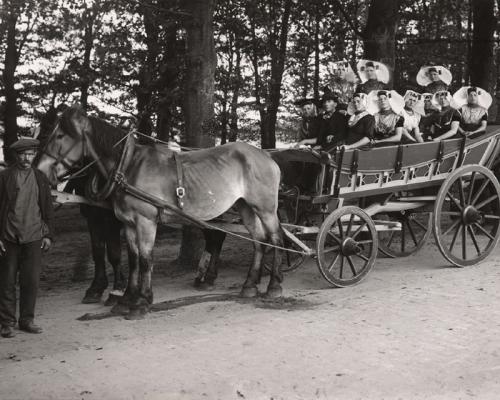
point(92, 298)
point(120, 309)
point(136, 314)
point(274, 293)
point(112, 300)
point(206, 286)
point(249, 292)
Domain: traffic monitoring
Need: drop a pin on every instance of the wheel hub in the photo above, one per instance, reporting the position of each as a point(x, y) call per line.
point(350, 247)
point(470, 215)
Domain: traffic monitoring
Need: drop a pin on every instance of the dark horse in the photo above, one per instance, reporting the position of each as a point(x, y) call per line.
point(104, 229)
point(214, 180)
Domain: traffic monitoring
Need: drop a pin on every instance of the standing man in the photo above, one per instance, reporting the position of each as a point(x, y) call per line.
point(25, 230)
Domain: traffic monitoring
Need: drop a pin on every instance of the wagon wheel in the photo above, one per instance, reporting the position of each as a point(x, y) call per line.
point(467, 215)
point(415, 230)
point(346, 246)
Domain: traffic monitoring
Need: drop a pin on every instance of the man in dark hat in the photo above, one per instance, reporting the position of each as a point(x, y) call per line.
point(307, 131)
point(25, 230)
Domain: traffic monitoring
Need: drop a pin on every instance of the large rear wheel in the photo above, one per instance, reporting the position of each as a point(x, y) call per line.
point(467, 215)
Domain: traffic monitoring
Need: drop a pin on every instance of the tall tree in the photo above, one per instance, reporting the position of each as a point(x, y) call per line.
point(482, 52)
point(379, 34)
point(199, 101)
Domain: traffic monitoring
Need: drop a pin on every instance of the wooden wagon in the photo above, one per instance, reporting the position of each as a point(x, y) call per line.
point(389, 199)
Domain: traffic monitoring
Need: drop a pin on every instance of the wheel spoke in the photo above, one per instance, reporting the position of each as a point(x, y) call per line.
point(478, 193)
point(455, 213)
point(412, 233)
point(335, 238)
point(471, 186)
point(454, 201)
point(454, 238)
point(474, 240)
point(484, 231)
point(464, 242)
point(330, 249)
point(364, 241)
point(341, 233)
point(403, 239)
point(461, 191)
point(341, 267)
point(361, 227)
point(362, 256)
point(348, 230)
point(484, 202)
point(490, 216)
point(451, 227)
point(390, 239)
point(332, 264)
point(421, 225)
point(354, 273)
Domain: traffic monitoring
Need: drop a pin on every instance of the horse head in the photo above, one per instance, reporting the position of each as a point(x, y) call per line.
point(64, 149)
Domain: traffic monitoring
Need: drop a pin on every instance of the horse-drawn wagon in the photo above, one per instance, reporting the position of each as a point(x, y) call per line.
point(385, 199)
point(388, 200)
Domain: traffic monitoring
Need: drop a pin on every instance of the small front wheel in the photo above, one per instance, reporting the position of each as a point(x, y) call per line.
point(346, 246)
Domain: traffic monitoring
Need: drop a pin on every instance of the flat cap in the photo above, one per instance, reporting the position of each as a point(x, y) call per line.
point(24, 144)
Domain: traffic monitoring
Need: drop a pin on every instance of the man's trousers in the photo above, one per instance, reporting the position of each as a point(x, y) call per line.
point(25, 259)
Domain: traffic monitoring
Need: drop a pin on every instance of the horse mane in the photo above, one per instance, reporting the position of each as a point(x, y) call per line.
point(105, 136)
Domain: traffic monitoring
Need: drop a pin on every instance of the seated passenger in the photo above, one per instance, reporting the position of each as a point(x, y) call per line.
point(332, 124)
point(473, 104)
point(342, 82)
point(361, 124)
point(434, 78)
point(445, 123)
point(386, 107)
point(309, 124)
point(412, 113)
point(374, 76)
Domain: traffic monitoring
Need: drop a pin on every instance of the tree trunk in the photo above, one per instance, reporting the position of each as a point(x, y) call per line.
point(278, 55)
point(11, 60)
point(316, 56)
point(198, 102)
point(482, 54)
point(144, 91)
point(88, 39)
point(169, 73)
point(379, 35)
point(233, 118)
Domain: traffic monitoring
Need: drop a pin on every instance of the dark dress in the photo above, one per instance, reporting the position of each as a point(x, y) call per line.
point(386, 124)
point(442, 122)
point(369, 85)
point(472, 117)
point(360, 128)
point(332, 124)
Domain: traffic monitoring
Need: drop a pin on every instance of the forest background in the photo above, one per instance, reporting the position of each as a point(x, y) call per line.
point(207, 71)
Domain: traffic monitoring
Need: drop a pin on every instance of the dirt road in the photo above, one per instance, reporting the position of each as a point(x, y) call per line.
point(413, 329)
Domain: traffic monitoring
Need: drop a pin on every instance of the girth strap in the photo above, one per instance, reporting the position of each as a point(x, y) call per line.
point(354, 162)
point(180, 191)
point(461, 154)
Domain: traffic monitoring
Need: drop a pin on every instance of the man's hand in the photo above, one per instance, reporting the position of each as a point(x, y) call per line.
point(329, 138)
point(2, 248)
point(46, 243)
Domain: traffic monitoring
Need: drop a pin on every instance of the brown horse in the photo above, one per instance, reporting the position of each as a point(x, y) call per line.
point(214, 180)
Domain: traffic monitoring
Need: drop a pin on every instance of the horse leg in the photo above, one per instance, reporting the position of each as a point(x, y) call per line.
point(254, 225)
point(207, 267)
point(272, 226)
point(146, 234)
point(113, 250)
point(132, 289)
point(98, 245)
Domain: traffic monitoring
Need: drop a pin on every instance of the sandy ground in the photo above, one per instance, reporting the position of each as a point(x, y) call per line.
point(415, 328)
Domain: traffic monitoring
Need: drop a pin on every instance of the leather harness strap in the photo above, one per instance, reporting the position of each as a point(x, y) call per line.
point(180, 191)
point(399, 159)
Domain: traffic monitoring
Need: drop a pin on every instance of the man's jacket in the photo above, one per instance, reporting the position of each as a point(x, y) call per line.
point(8, 199)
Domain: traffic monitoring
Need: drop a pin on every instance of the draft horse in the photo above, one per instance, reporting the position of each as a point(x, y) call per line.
point(212, 181)
point(104, 228)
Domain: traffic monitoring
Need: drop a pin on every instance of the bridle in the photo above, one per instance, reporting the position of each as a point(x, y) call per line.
point(69, 164)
